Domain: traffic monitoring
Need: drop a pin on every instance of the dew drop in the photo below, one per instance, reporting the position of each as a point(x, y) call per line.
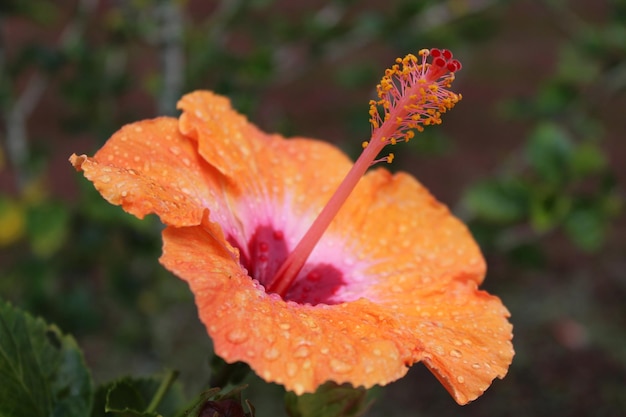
point(301, 352)
point(476, 365)
point(105, 179)
point(237, 336)
point(339, 366)
point(175, 150)
point(271, 354)
point(284, 326)
point(460, 379)
point(298, 388)
point(292, 369)
point(456, 353)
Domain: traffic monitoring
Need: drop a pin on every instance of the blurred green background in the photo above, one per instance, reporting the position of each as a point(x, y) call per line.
point(533, 159)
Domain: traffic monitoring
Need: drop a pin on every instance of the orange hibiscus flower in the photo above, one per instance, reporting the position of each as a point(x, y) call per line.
point(388, 277)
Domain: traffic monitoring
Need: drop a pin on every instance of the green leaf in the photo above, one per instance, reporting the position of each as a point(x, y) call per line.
point(586, 226)
point(588, 159)
point(575, 66)
point(548, 211)
point(140, 397)
point(223, 373)
point(330, 400)
point(498, 201)
point(43, 372)
point(47, 226)
point(549, 151)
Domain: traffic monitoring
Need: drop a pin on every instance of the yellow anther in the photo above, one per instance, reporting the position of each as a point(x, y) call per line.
point(408, 99)
point(390, 158)
point(364, 144)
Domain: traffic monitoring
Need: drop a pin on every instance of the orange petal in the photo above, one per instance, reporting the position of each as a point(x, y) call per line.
point(408, 241)
point(299, 346)
point(461, 333)
point(259, 164)
point(149, 167)
point(421, 263)
point(465, 338)
point(269, 180)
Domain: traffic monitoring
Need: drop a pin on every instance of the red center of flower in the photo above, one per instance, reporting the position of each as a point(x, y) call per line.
point(267, 250)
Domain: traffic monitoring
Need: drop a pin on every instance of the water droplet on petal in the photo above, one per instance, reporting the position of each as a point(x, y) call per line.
point(175, 150)
point(339, 366)
point(271, 354)
point(456, 353)
point(301, 352)
point(292, 369)
point(476, 365)
point(460, 379)
point(105, 179)
point(237, 336)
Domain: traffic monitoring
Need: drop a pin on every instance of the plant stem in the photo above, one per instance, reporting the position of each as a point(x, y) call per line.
point(166, 383)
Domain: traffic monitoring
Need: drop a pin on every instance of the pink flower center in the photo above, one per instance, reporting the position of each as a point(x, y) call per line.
point(267, 250)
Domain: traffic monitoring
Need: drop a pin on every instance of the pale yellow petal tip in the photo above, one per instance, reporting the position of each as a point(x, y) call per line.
point(77, 161)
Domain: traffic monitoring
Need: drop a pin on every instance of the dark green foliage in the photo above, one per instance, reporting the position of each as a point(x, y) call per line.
point(139, 397)
point(43, 371)
point(330, 400)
